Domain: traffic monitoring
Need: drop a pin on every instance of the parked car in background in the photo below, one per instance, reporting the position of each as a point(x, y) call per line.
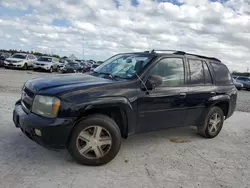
point(93, 66)
point(46, 63)
point(71, 67)
point(20, 60)
point(238, 85)
point(99, 62)
point(61, 63)
point(86, 67)
point(244, 80)
point(128, 94)
point(3, 56)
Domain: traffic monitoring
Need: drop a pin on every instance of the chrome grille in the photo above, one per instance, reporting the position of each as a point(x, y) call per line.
point(27, 99)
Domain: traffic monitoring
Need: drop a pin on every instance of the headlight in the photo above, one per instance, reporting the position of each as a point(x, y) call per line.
point(46, 106)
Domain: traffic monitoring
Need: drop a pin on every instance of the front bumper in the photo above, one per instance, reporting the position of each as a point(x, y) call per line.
point(14, 65)
point(55, 132)
point(41, 67)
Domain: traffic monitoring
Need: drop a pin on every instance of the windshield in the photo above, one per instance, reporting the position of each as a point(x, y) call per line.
point(124, 65)
point(19, 56)
point(47, 59)
point(74, 65)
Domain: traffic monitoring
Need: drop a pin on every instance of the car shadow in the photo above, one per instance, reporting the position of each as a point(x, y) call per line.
point(20, 148)
point(185, 133)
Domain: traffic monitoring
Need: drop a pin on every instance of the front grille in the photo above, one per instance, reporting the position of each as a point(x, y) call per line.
point(27, 99)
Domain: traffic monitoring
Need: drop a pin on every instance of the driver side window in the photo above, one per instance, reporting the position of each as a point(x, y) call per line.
point(171, 70)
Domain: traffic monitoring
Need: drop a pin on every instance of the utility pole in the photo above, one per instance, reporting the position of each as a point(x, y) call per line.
point(83, 48)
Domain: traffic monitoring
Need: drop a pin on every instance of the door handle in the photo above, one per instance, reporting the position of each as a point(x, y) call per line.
point(182, 95)
point(213, 93)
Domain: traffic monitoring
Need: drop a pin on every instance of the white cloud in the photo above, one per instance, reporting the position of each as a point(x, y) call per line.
point(210, 28)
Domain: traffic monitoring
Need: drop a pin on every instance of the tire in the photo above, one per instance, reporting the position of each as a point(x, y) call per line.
point(90, 158)
point(208, 130)
point(51, 69)
point(25, 66)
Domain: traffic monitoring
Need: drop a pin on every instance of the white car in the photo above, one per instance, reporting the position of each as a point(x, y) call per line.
point(46, 63)
point(20, 60)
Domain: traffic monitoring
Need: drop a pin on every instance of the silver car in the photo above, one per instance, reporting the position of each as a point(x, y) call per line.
point(46, 63)
point(20, 60)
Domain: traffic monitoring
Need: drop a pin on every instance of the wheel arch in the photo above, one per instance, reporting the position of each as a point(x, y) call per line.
point(221, 101)
point(118, 108)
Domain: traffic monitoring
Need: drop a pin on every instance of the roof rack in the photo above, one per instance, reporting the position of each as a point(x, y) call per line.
point(184, 53)
point(174, 51)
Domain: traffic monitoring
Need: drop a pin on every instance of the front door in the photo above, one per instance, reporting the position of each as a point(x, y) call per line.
point(165, 105)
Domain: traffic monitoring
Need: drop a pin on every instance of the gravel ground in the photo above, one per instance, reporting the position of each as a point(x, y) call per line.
point(243, 101)
point(145, 160)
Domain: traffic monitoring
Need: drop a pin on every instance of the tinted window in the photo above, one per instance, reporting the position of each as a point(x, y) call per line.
point(73, 65)
point(171, 70)
point(243, 78)
point(19, 56)
point(196, 71)
point(222, 75)
point(47, 59)
point(208, 79)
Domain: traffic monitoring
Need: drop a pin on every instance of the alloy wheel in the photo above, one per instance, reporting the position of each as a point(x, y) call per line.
point(214, 123)
point(94, 142)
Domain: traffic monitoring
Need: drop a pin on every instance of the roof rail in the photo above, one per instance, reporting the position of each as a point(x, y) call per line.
point(174, 51)
point(184, 53)
point(205, 57)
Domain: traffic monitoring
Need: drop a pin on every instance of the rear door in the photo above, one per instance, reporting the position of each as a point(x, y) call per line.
point(200, 89)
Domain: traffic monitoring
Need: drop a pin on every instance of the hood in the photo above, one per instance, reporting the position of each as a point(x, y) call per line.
point(58, 82)
point(14, 59)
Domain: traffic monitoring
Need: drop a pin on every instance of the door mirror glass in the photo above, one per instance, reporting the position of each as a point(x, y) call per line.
point(153, 81)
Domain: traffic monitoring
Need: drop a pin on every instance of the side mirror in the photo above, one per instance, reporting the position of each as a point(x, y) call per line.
point(153, 81)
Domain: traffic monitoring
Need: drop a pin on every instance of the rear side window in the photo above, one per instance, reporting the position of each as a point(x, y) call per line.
point(196, 71)
point(199, 72)
point(222, 75)
point(208, 78)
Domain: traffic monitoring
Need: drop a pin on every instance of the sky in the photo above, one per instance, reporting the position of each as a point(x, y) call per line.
point(98, 29)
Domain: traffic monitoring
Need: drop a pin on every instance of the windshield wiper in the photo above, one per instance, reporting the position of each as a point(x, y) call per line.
point(108, 74)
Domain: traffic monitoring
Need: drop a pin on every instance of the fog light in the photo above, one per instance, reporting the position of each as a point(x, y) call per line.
point(38, 132)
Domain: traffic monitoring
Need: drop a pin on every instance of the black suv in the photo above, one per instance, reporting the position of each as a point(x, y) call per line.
point(129, 93)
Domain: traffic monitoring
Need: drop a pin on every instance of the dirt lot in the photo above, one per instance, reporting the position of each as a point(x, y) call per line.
point(146, 160)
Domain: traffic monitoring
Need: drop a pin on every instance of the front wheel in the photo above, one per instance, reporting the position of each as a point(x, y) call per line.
point(25, 66)
point(51, 69)
point(95, 141)
point(213, 123)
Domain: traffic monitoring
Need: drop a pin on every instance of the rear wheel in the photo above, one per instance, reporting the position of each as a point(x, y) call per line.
point(213, 123)
point(95, 141)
